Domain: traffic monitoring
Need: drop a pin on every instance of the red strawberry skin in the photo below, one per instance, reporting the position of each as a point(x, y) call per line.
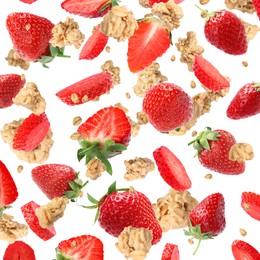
point(94, 45)
point(256, 4)
point(19, 251)
point(53, 179)
point(246, 102)
point(167, 106)
point(31, 219)
point(208, 75)
point(171, 169)
point(150, 41)
point(31, 132)
point(210, 214)
point(92, 87)
point(170, 252)
point(226, 32)
point(130, 208)
point(8, 189)
point(250, 202)
point(85, 247)
point(10, 84)
point(30, 34)
point(243, 251)
point(28, 1)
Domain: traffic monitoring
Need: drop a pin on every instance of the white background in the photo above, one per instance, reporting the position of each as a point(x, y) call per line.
point(63, 72)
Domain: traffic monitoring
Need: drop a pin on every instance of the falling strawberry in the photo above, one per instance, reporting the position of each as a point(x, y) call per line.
point(28, 211)
point(28, 1)
point(171, 169)
point(207, 219)
point(208, 75)
point(213, 151)
point(170, 252)
point(250, 202)
point(243, 251)
point(87, 89)
point(150, 41)
point(256, 4)
point(167, 106)
point(85, 247)
point(31, 132)
point(19, 251)
point(246, 102)
point(151, 2)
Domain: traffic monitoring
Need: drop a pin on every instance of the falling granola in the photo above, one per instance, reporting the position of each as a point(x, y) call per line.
point(251, 30)
point(246, 6)
point(95, 168)
point(114, 71)
point(15, 60)
point(241, 152)
point(144, 3)
point(142, 118)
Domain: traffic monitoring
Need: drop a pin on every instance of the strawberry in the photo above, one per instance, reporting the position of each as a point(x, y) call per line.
point(207, 219)
point(151, 2)
point(57, 180)
point(28, 211)
point(213, 151)
point(87, 8)
point(170, 252)
point(117, 210)
point(86, 89)
point(85, 247)
point(208, 75)
point(94, 45)
point(256, 4)
point(19, 251)
point(150, 41)
point(28, 1)
point(171, 169)
point(250, 202)
point(105, 134)
point(10, 84)
point(167, 106)
point(31, 132)
point(246, 102)
point(243, 251)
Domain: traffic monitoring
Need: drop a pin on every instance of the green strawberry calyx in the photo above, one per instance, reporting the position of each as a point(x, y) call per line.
point(3, 208)
point(108, 3)
point(61, 256)
point(205, 14)
point(257, 86)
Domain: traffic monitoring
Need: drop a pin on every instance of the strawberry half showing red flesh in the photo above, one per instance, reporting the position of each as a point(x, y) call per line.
point(243, 251)
point(170, 252)
point(250, 202)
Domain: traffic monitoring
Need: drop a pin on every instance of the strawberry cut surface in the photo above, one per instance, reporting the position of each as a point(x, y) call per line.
point(243, 251)
point(170, 252)
point(250, 202)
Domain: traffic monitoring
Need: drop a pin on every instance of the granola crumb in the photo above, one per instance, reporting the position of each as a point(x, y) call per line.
point(14, 59)
point(127, 94)
point(251, 30)
point(76, 136)
point(194, 133)
point(208, 176)
point(76, 120)
point(95, 168)
point(135, 127)
point(119, 105)
point(245, 6)
point(245, 63)
point(142, 118)
point(20, 168)
point(144, 3)
point(74, 97)
point(173, 58)
point(114, 71)
point(241, 152)
point(191, 241)
point(242, 232)
point(108, 49)
point(193, 84)
point(204, 2)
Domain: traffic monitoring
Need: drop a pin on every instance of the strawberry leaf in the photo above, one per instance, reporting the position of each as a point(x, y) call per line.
point(104, 160)
point(91, 199)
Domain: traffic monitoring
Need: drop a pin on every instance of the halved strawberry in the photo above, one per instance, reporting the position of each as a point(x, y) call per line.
point(31, 132)
point(256, 4)
point(243, 251)
point(170, 252)
point(28, 1)
point(150, 41)
point(31, 219)
point(86, 89)
point(208, 75)
point(250, 202)
point(85, 247)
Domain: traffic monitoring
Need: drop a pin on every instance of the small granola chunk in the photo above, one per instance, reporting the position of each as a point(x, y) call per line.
point(134, 243)
point(246, 6)
point(76, 136)
point(241, 152)
point(15, 60)
point(76, 120)
point(119, 105)
point(188, 47)
point(144, 3)
point(50, 213)
point(242, 232)
point(204, 2)
point(11, 230)
point(95, 168)
point(173, 209)
point(31, 98)
point(142, 118)
point(119, 23)
point(114, 71)
point(251, 30)
point(147, 78)
point(138, 168)
point(135, 127)
point(67, 33)
point(169, 12)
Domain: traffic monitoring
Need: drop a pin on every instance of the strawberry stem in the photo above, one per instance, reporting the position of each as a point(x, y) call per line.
point(257, 85)
point(197, 247)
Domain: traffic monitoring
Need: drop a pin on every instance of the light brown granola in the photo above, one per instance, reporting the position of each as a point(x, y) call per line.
point(114, 71)
point(119, 105)
point(144, 3)
point(204, 2)
point(142, 118)
point(76, 120)
point(135, 127)
point(20, 168)
point(251, 30)
point(95, 168)
point(246, 6)
point(242, 232)
point(241, 152)
point(76, 136)
point(15, 60)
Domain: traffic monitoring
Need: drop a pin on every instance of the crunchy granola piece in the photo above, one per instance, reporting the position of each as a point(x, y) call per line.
point(50, 213)
point(31, 98)
point(242, 232)
point(134, 243)
point(169, 12)
point(95, 168)
point(246, 6)
point(119, 23)
point(11, 230)
point(193, 84)
point(76, 136)
point(108, 49)
point(135, 127)
point(138, 168)
point(208, 176)
point(173, 58)
point(204, 2)
point(144, 3)
point(142, 118)
point(147, 78)
point(15, 60)
point(76, 120)
point(173, 209)
point(119, 105)
point(191, 241)
point(67, 33)
point(20, 168)
point(127, 94)
point(188, 47)
point(245, 63)
point(241, 152)
point(114, 71)
point(251, 30)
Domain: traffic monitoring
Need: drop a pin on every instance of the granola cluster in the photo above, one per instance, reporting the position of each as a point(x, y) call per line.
point(251, 30)
point(246, 6)
point(14, 59)
point(95, 168)
point(142, 118)
point(114, 71)
point(144, 3)
point(241, 152)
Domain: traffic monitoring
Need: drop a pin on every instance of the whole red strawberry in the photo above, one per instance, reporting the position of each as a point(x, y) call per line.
point(213, 151)
point(250, 202)
point(167, 106)
point(243, 251)
point(170, 252)
point(246, 102)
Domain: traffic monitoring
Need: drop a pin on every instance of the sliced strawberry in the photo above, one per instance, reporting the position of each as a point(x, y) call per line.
point(31, 132)
point(244, 251)
point(171, 169)
point(31, 219)
point(19, 251)
point(170, 252)
point(256, 4)
point(87, 89)
point(85, 247)
point(250, 202)
point(94, 45)
point(150, 41)
point(208, 75)
point(28, 1)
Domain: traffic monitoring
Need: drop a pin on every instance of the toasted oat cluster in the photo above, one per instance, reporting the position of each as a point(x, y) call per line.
point(119, 105)
point(95, 168)
point(135, 127)
point(114, 71)
point(15, 60)
point(144, 3)
point(241, 152)
point(251, 30)
point(142, 118)
point(246, 6)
